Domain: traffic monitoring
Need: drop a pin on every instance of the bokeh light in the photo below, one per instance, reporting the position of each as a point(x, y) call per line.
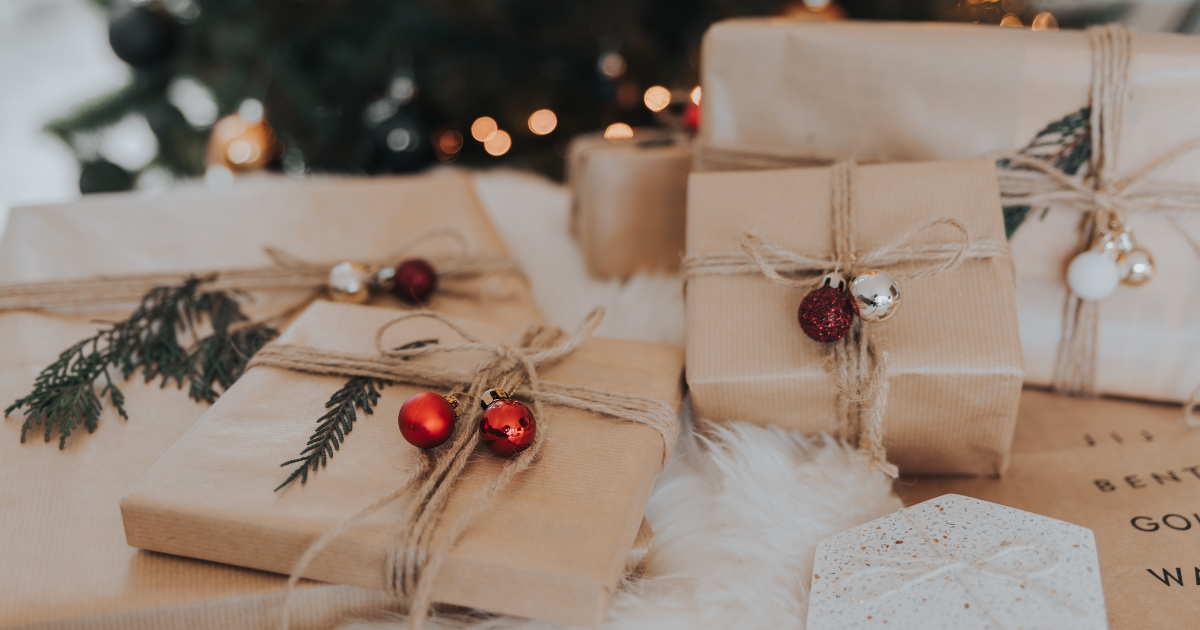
point(696, 95)
point(1011, 20)
point(1045, 22)
point(657, 98)
point(484, 128)
point(498, 144)
point(618, 131)
point(194, 100)
point(612, 65)
point(542, 122)
point(816, 5)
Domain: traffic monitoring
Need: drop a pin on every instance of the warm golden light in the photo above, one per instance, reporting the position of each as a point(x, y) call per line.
point(657, 98)
point(450, 142)
point(618, 131)
point(484, 128)
point(542, 122)
point(696, 95)
point(498, 144)
point(612, 65)
point(1011, 20)
point(1045, 22)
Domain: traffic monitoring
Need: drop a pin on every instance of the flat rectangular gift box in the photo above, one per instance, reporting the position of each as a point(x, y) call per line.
point(553, 545)
point(64, 562)
point(780, 91)
point(1128, 471)
point(955, 363)
point(629, 201)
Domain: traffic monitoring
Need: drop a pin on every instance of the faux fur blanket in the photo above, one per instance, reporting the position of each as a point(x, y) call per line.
point(738, 512)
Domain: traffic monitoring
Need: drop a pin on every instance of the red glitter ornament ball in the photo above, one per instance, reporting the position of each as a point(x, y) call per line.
point(507, 427)
point(414, 281)
point(426, 420)
point(826, 314)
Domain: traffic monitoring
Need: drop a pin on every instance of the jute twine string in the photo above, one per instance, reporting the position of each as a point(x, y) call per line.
point(413, 557)
point(289, 272)
point(857, 363)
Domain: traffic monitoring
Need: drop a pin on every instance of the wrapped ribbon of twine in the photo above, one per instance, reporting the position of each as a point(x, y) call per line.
point(1025, 180)
point(857, 362)
point(412, 559)
point(455, 274)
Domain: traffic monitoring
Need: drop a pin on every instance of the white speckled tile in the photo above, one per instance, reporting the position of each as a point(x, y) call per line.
point(961, 563)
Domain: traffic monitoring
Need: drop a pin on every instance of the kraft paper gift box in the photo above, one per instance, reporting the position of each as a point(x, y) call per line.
point(958, 562)
point(779, 91)
point(64, 561)
point(1129, 471)
point(552, 546)
point(629, 201)
point(955, 364)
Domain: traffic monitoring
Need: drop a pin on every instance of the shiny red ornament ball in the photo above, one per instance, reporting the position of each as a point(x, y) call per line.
point(826, 314)
point(507, 427)
point(415, 280)
point(426, 420)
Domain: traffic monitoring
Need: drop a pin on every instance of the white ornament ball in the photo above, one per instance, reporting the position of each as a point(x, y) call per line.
point(876, 295)
point(1093, 276)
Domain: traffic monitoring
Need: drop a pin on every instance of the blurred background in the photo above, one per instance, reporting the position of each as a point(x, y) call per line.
point(111, 95)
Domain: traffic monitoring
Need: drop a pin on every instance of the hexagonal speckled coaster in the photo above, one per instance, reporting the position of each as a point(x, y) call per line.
point(961, 563)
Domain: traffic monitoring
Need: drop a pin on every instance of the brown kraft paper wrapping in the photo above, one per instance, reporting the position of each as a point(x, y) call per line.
point(562, 530)
point(881, 92)
point(65, 562)
point(1128, 471)
point(629, 202)
point(955, 369)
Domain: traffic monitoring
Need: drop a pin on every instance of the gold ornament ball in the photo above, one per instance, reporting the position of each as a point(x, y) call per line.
point(876, 295)
point(350, 282)
point(241, 145)
point(1136, 267)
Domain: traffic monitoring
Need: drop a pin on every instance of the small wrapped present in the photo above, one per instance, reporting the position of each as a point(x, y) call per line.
point(937, 384)
point(455, 524)
point(628, 201)
point(1097, 135)
point(65, 562)
point(1125, 470)
point(957, 562)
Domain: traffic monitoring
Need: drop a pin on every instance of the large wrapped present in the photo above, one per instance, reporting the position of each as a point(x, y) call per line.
point(476, 528)
point(629, 200)
point(1127, 471)
point(65, 562)
point(785, 92)
point(937, 384)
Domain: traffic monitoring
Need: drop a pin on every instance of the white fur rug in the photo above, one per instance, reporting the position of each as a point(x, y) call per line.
point(738, 513)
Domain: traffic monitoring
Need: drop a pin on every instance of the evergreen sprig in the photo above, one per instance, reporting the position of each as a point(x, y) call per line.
point(1066, 143)
point(65, 394)
point(359, 391)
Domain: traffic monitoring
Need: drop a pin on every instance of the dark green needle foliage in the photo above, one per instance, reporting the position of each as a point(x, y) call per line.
point(1066, 144)
point(69, 392)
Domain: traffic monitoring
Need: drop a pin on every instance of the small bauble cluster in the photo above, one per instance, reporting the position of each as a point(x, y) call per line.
point(507, 427)
point(1112, 259)
point(412, 281)
point(827, 313)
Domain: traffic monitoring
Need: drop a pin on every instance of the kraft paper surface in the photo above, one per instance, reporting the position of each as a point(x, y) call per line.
point(1128, 471)
point(880, 92)
point(562, 530)
point(64, 561)
point(629, 202)
point(955, 365)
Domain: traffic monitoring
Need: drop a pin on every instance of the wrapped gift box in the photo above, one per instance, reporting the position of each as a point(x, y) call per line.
point(629, 200)
point(1126, 470)
point(65, 562)
point(955, 366)
point(958, 562)
point(785, 92)
point(558, 536)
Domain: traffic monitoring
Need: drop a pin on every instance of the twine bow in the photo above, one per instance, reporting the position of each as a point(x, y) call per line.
point(289, 272)
point(856, 362)
point(1108, 202)
point(412, 560)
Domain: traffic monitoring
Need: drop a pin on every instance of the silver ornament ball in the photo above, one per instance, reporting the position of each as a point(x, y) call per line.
point(1136, 267)
point(350, 282)
point(876, 295)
